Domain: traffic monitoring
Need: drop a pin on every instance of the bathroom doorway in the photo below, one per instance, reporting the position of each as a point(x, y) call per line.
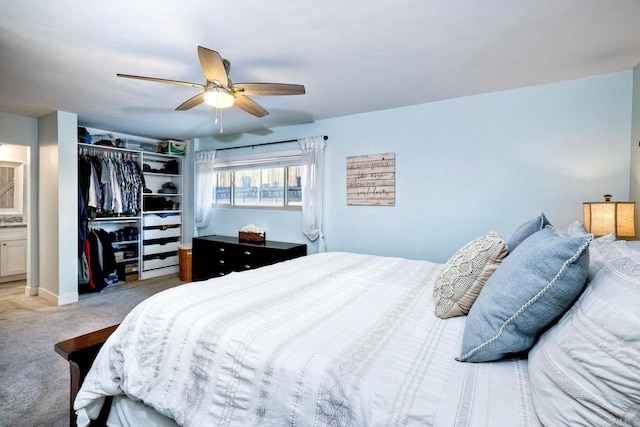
point(15, 217)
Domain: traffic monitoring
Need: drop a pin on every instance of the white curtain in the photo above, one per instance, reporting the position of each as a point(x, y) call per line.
point(312, 177)
point(204, 180)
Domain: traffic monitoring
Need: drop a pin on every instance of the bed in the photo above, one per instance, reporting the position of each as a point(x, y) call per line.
point(352, 339)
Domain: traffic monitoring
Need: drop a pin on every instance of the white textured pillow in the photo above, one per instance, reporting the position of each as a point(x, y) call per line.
point(464, 275)
point(575, 229)
point(585, 370)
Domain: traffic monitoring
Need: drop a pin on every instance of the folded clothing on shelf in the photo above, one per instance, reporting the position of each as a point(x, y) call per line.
point(159, 203)
point(168, 188)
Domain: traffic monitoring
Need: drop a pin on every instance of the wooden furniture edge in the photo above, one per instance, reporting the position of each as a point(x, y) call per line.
point(81, 351)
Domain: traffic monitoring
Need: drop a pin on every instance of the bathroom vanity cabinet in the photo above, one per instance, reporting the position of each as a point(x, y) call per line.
point(13, 252)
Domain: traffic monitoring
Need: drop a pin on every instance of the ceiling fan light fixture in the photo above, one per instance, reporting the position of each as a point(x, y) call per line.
point(219, 97)
point(219, 92)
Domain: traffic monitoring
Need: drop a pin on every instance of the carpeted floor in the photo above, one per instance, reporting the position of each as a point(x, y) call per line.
point(34, 379)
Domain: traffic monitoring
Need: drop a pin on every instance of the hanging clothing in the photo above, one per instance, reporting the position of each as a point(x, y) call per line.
point(83, 270)
point(83, 222)
point(101, 261)
point(111, 186)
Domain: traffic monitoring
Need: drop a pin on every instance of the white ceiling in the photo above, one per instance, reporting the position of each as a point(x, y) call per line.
point(353, 56)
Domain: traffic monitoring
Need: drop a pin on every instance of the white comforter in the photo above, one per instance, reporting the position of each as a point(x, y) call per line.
point(327, 339)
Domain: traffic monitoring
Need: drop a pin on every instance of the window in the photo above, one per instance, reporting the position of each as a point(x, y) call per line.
point(269, 182)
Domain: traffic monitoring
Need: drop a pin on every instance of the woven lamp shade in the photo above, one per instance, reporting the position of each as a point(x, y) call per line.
point(617, 218)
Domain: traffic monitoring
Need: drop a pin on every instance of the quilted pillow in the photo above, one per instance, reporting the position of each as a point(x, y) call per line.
point(527, 229)
point(463, 276)
point(600, 251)
point(533, 286)
point(585, 370)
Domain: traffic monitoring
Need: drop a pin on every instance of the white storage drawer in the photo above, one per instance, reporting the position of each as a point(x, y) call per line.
point(161, 232)
point(154, 219)
point(160, 262)
point(159, 248)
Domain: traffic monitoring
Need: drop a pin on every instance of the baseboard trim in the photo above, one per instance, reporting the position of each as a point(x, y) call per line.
point(13, 278)
point(58, 299)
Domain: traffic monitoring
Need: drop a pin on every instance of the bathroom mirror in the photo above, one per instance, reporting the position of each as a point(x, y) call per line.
point(11, 193)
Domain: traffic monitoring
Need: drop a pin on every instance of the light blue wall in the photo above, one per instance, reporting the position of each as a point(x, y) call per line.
point(464, 167)
point(634, 190)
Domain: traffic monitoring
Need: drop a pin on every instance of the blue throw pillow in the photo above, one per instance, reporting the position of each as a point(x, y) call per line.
point(527, 229)
point(532, 287)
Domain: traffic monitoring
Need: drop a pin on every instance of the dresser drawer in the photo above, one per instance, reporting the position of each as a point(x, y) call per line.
point(214, 256)
point(247, 258)
point(223, 258)
point(161, 232)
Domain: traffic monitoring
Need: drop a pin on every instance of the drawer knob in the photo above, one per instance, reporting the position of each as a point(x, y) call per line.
point(247, 253)
point(220, 261)
point(247, 266)
point(221, 249)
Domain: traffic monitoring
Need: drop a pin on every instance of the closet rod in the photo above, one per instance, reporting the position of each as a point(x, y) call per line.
point(264, 143)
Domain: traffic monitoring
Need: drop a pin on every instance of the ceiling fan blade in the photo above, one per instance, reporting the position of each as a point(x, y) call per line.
point(191, 102)
point(249, 105)
point(269, 88)
point(155, 79)
point(212, 66)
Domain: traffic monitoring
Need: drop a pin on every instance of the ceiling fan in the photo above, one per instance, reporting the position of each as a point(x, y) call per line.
point(220, 92)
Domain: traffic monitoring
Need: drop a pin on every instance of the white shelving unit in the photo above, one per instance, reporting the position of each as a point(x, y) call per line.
point(162, 214)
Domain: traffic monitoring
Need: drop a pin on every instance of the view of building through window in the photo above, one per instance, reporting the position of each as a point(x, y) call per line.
point(268, 187)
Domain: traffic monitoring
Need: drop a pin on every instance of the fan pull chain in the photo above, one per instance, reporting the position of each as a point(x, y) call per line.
point(218, 118)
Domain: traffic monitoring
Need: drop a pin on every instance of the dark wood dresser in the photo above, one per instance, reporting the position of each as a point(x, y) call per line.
point(215, 256)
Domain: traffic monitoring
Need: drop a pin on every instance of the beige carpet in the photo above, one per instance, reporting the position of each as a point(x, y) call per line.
point(34, 379)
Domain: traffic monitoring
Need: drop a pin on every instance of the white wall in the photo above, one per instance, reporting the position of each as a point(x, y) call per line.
point(465, 166)
point(23, 131)
point(188, 193)
point(58, 201)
